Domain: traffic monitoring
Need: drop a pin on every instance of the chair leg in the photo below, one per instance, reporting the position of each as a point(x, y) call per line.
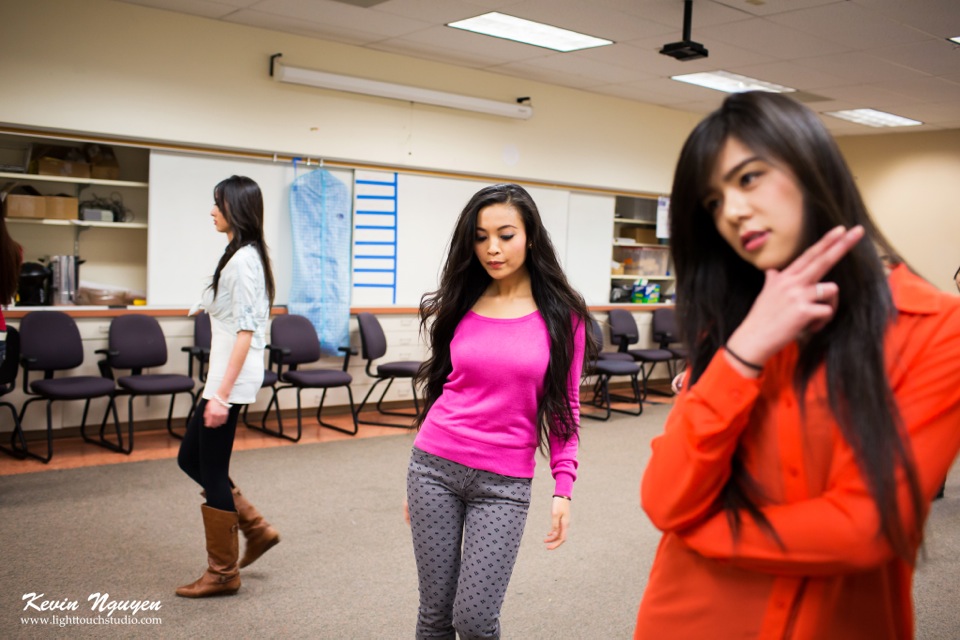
point(601, 398)
point(353, 415)
point(102, 440)
point(278, 433)
point(14, 450)
point(380, 410)
point(646, 377)
point(26, 451)
point(173, 398)
point(637, 394)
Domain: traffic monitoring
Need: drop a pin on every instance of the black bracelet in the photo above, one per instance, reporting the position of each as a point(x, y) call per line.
point(746, 363)
point(559, 496)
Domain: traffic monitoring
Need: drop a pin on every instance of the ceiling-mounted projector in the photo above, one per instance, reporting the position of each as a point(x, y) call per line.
point(687, 49)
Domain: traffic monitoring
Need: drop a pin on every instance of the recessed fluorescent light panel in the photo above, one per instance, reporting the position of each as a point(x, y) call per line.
point(874, 118)
point(730, 82)
point(500, 25)
point(955, 40)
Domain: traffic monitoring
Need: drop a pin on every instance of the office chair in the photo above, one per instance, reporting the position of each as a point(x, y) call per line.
point(665, 334)
point(50, 342)
point(373, 344)
point(606, 368)
point(293, 342)
point(136, 342)
point(623, 333)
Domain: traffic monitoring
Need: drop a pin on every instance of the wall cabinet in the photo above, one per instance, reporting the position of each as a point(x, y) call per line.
point(637, 254)
point(114, 254)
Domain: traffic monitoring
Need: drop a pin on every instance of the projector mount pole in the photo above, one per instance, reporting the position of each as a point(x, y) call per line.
point(687, 19)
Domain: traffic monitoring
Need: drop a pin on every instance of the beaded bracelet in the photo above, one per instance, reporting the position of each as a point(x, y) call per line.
point(746, 363)
point(564, 497)
point(223, 403)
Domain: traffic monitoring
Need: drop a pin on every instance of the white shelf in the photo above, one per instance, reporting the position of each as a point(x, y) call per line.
point(69, 180)
point(625, 242)
point(636, 277)
point(79, 223)
point(643, 223)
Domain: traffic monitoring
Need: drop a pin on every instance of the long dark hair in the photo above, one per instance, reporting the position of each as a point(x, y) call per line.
point(10, 258)
point(463, 280)
point(716, 288)
point(241, 203)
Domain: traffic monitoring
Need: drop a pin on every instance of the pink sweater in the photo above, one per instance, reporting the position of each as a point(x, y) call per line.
point(486, 417)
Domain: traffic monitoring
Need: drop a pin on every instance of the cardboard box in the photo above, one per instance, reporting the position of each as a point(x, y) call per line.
point(58, 160)
point(61, 208)
point(21, 206)
point(103, 162)
point(57, 167)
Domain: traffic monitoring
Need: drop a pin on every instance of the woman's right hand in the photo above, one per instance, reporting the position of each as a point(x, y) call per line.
point(406, 512)
point(793, 301)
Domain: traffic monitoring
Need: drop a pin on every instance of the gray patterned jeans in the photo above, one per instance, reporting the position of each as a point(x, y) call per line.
point(466, 525)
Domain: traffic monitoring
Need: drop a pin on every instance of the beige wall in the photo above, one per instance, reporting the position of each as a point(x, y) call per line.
point(123, 70)
point(911, 183)
point(120, 69)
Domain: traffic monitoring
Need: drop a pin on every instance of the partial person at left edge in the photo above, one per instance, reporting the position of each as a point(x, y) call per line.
point(11, 256)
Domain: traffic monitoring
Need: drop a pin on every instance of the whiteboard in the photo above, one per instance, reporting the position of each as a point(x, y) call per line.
point(184, 247)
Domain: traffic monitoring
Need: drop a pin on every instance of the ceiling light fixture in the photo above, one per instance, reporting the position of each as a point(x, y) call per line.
point(687, 49)
point(874, 118)
point(323, 80)
point(730, 82)
point(954, 40)
point(501, 25)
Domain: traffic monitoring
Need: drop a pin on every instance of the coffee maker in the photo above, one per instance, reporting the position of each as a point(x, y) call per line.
point(65, 278)
point(34, 287)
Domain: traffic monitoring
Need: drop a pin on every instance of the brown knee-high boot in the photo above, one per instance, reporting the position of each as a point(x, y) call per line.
point(222, 576)
point(258, 532)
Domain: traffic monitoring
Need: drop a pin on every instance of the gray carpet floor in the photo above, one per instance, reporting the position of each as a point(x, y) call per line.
point(345, 569)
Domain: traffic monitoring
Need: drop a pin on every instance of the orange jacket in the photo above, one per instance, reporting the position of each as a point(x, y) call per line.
point(835, 577)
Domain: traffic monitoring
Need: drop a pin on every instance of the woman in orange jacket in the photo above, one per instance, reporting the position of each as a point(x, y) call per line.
point(819, 415)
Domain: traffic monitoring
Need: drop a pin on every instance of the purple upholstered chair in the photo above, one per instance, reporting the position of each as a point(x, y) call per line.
point(606, 368)
point(50, 342)
point(294, 341)
point(624, 332)
point(373, 344)
point(136, 343)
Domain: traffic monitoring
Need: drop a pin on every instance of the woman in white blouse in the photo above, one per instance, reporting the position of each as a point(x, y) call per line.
point(238, 301)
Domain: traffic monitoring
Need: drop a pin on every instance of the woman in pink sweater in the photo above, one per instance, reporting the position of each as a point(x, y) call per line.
point(508, 337)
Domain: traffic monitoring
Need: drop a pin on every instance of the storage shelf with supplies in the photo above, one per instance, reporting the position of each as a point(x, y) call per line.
point(640, 265)
point(54, 189)
point(79, 223)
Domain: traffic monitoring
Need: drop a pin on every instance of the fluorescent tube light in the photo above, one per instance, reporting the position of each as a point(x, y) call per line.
point(363, 86)
point(730, 82)
point(874, 118)
point(500, 25)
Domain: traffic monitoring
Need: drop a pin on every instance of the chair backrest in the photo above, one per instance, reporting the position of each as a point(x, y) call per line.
point(8, 368)
point(597, 334)
point(623, 328)
point(373, 342)
point(202, 333)
point(664, 326)
point(296, 334)
point(50, 341)
point(138, 342)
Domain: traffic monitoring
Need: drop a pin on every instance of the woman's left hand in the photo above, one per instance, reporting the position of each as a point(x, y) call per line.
point(215, 415)
point(560, 521)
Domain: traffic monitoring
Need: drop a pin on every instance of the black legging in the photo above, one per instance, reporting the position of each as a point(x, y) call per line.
point(205, 456)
